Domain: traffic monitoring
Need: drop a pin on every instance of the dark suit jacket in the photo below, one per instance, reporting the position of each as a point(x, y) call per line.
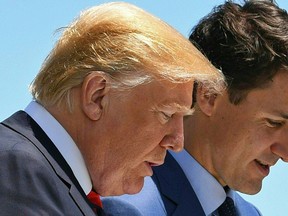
point(177, 194)
point(34, 177)
point(179, 197)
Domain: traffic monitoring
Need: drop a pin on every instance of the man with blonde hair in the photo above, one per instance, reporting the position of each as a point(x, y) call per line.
point(109, 101)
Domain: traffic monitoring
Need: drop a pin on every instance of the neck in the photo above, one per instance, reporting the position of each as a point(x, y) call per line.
point(197, 142)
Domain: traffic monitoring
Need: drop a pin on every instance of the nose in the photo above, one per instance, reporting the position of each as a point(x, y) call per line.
point(175, 139)
point(281, 150)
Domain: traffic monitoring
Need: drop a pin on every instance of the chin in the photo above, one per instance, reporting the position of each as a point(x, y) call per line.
point(255, 190)
point(250, 189)
point(133, 187)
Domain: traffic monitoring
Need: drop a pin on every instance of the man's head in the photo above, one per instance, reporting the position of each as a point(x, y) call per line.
point(119, 80)
point(238, 135)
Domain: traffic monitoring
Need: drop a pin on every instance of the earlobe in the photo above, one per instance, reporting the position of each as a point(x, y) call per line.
point(205, 100)
point(94, 88)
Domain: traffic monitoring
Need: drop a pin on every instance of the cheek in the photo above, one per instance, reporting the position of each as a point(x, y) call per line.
point(263, 137)
point(131, 152)
point(257, 140)
point(149, 137)
point(238, 138)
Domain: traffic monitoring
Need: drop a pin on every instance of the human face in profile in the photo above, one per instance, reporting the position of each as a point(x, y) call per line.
point(138, 128)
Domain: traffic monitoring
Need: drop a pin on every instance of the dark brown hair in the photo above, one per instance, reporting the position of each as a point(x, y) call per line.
point(248, 42)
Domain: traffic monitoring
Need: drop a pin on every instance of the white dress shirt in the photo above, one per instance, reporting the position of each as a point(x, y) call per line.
point(209, 191)
point(63, 142)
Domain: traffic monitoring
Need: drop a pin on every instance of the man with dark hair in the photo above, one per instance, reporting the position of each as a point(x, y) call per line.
point(232, 139)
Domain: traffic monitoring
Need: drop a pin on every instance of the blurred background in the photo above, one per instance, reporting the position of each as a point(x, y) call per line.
point(28, 34)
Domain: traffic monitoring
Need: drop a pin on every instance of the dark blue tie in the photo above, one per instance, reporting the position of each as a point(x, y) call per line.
point(227, 208)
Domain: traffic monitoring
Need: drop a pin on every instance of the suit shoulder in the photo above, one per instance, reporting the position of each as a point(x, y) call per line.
point(10, 139)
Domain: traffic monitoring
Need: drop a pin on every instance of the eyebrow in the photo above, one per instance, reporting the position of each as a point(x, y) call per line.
point(178, 108)
point(284, 115)
point(278, 114)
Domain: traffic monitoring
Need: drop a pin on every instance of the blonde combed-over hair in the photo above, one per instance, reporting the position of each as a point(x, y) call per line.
point(127, 44)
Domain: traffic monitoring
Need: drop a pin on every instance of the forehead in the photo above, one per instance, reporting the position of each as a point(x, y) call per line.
point(174, 95)
point(164, 94)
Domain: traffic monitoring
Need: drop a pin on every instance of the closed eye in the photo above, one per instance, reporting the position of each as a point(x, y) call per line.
point(166, 116)
point(274, 124)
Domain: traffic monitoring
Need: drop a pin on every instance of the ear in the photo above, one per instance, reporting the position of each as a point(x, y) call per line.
point(205, 100)
point(94, 88)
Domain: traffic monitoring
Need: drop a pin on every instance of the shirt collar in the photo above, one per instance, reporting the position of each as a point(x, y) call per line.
point(209, 191)
point(63, 142)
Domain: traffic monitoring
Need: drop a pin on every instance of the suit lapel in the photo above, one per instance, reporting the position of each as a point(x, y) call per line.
point(30, 130)
point(178, 196)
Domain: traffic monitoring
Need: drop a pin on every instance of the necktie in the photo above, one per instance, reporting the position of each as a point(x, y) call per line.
point(227, 208)
point(94, 198)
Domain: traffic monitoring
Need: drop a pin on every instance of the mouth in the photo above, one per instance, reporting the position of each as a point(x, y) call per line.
point(263, 167)
point(150, 164)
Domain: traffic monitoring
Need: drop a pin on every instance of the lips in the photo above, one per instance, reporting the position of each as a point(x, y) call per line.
point(155, 163)
point(149, 166)
point(263, 167)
